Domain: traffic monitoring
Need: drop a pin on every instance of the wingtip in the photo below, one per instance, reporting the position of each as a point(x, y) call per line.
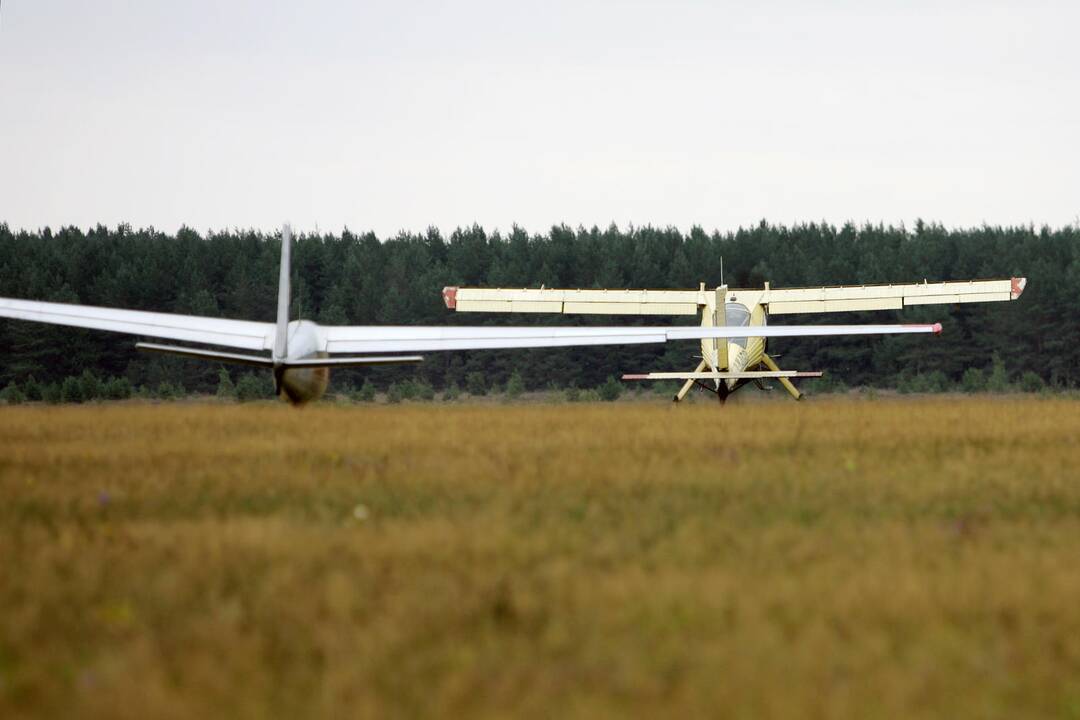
point(937, 328)
point(1018, 285)
point(449, 296)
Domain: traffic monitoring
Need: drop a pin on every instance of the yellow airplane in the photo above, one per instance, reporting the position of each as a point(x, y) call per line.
point(730, 363)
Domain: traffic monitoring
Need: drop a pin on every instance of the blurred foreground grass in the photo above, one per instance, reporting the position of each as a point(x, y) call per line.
point(835, 558)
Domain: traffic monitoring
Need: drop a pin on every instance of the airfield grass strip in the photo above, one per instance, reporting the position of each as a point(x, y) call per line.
point(830, 558)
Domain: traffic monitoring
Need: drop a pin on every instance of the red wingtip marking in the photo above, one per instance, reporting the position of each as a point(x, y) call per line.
point(935, 328)
point(635, 377)
point(1018, 285)
point(449, 296)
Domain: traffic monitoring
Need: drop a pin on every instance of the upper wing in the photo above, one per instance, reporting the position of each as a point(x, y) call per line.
point(574, 302)
point(212, 331)
point(373, 338)
point(889, 297)
point(844, 298)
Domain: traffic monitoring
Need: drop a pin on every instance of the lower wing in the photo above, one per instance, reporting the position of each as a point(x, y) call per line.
point(246, 335)
point(375, 338)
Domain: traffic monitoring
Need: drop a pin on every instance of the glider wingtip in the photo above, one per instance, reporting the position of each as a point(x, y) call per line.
point(937, 328)
point(1018, 285)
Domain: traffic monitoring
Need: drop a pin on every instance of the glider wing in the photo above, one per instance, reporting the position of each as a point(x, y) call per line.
point(239, 334)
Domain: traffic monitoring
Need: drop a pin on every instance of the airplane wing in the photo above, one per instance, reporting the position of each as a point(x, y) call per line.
point(240, 334)
point(778, 301)
point(384, 339)
point(849, 298)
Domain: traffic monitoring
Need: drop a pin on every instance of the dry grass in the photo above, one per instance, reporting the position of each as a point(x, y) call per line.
point(895, 559)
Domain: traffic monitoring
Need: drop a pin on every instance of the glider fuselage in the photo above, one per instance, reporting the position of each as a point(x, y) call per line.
point(301, 385)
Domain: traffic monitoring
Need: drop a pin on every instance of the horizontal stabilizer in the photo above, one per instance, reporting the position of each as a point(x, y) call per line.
point(354, 361)
point(264, 361)
point(199, 354)
point(748, 375)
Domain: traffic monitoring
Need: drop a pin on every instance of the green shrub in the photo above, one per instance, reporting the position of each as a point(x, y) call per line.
point(90, 386)
point(167, 391)
point(395, 393)
point(32, 389)
point(1031, 382)
point(475, 384)
point(117, 388)
point(451, 393)
point(51, 394)
point(12, 395)
point(590, 395)
point(933, 382)
point(422, 390)
point(366, 393)
point(515, 386)
point(998, 381)
point(610, 390)
point(973, 380)
point(829, 383)
point(573, 394)
point(938, 382)
point(71, 390)
point(252, 387)
point(226, 388)
point(665, 388)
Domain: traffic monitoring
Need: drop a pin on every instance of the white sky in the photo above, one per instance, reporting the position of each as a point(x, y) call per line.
point(400, 115)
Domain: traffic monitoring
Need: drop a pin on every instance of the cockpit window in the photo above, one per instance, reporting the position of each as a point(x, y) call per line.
point(737, 315)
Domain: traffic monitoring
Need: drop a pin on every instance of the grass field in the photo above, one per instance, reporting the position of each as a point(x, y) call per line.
point(834, 558)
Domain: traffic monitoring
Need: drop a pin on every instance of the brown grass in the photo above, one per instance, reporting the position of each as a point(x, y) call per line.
point(844, 558)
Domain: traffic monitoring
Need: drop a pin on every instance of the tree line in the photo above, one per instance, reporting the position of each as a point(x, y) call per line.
point(358, 278)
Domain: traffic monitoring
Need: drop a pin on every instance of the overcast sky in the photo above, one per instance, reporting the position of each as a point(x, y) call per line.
point(400, 115)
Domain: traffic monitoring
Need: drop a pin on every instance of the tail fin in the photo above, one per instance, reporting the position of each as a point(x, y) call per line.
point(281, 343)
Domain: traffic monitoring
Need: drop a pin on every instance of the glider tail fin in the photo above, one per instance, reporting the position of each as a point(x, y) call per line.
point(281, 346)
